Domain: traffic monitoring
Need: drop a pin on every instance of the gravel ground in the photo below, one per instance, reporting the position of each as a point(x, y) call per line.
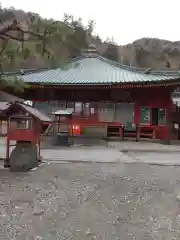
point(91, 201)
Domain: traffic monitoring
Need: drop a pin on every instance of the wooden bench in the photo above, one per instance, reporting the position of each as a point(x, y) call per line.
point(130, 130)
point(147, 132)
point(115, 131)
point(138, 131)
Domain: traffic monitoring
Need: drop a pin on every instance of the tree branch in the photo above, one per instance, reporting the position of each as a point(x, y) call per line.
point(8, 36)
point(10, 27)
point(4, 46)
point(38, 35)
point(4, 31)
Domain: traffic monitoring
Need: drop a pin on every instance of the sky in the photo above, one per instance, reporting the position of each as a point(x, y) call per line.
point(124, 20)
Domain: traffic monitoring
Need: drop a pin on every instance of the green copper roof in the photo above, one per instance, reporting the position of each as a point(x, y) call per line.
point(98, 70)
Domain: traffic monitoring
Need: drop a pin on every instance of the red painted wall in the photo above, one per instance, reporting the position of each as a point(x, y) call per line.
point(153, 98)
point(150, 97)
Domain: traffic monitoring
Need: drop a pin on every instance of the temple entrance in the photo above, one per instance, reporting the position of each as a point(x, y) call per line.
point(155, 116)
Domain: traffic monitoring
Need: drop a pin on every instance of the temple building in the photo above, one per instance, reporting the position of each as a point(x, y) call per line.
point(98, 91)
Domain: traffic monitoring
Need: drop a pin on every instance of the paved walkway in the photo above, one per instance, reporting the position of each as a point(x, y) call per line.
point(91, 154)
point(116, 152)
point(127, 146)
point(94, 154)
point(166, 159)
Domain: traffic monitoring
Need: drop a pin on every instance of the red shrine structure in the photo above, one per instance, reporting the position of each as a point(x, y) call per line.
point(24, 127)
point(126, 101)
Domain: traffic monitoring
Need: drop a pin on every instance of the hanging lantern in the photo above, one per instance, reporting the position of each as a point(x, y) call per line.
point(175, 96)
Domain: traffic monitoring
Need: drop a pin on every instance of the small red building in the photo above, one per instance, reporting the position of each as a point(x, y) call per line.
point(24, 127)
point(102, 91)
point(5, 98)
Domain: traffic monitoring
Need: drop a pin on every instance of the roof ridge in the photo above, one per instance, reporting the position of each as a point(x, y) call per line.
point(111, 62)
point(141, 70)
point(123, 66)
point(145, 71)
point(23, 71)
point(104, 73)
point(75, 60)
point(72, 61)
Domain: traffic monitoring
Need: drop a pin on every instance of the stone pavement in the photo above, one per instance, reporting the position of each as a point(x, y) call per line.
point(85, 154)
point(94, 154)
point(108, 155)
point(128, 146)
point(115, 152)
point(155, 158)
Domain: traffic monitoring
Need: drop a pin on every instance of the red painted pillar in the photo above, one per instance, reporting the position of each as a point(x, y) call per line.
point(121, 132)
point(169, 121)
point(154, 133)
point(6, 162)
point(138, 132)
point(136, 113)
point(39, 150)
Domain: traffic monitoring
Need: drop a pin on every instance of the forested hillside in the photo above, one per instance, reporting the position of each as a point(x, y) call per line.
point(34, 42)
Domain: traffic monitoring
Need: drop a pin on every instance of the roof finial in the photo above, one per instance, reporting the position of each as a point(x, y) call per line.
point(91, 51)
point(92, 47)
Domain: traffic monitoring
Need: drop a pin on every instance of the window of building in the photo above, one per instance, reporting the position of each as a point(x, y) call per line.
point(145, 116)
point(78, 108)
point(86, 109)
point(162, 116)
point(70, 105)
point(22, 124)
point(158, 116)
